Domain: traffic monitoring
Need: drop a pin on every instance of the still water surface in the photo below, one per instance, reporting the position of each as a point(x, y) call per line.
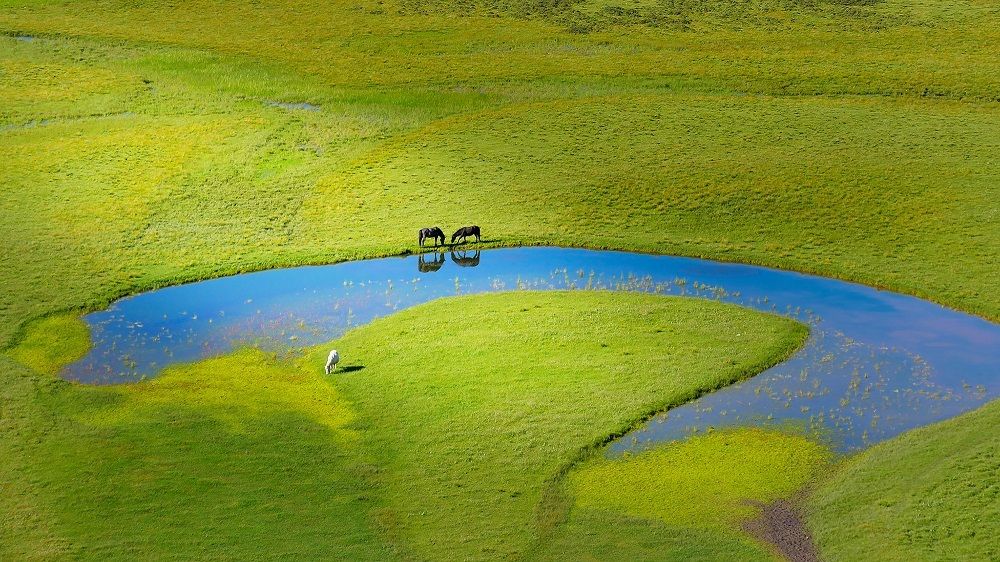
point(876, 364)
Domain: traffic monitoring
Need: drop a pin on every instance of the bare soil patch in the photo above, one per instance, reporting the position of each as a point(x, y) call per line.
point(780, 525)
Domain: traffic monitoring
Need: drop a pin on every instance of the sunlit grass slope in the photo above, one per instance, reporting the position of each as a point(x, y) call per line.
point(887, 192)
point(442, 446)
point(898, 47)
point(474, 406)
point(847, 139)
point(930, 494)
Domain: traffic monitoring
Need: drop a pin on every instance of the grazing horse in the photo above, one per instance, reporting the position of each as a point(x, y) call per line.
point(463, 259)
point(465, 231)
point(331, 361)
point(425, 265)
point(434, 232)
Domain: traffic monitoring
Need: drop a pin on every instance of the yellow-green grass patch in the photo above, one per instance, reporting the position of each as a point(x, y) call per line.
point(50, 343)
point(706, 481)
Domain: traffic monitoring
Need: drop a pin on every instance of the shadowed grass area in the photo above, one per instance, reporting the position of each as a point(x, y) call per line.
point(473, 405)
point(237, 457)
point(930, 494)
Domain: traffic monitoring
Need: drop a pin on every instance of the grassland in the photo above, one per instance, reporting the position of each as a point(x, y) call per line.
point(425, 446)
point(930, 494)
point(143, 145)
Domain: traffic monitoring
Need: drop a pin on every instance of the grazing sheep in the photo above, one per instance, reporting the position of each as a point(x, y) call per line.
point(331, 361)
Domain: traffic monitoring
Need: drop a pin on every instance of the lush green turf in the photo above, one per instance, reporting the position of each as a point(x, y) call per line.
point(432, 442)
point(930, 494)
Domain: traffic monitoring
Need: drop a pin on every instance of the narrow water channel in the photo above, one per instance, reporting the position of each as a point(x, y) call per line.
point(877, 363)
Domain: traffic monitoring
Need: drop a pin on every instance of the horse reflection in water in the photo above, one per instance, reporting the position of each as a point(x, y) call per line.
point(429, 263)
point(463, 259)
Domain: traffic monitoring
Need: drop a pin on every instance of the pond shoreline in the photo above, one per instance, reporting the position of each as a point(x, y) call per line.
point(208, 273)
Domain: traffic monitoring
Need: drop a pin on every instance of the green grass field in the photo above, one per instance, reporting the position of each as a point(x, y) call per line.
point(147, 144)
point(930, 494)
point(426, 447)
point(142, 148)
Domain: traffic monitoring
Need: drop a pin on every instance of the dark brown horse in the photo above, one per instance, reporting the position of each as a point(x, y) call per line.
point(434, 232)
point(465, 231)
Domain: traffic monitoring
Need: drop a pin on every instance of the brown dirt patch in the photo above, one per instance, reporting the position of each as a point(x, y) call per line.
point(780, 525)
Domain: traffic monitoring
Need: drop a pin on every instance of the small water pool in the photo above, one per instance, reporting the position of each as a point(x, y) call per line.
point(877, 363)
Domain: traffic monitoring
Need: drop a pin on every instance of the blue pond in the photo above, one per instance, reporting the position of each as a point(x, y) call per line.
point(877, 363)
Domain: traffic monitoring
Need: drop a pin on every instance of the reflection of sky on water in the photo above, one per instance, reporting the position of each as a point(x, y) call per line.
point(877, 363)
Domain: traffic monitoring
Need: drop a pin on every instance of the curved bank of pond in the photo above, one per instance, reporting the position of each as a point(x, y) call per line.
point(876, 364)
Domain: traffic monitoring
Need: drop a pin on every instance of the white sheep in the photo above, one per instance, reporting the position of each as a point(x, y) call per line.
point(331, 361)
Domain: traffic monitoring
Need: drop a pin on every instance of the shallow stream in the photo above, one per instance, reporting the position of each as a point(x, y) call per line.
point(876, 364)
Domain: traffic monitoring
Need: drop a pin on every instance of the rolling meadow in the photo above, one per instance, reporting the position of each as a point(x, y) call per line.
point(146, 144)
